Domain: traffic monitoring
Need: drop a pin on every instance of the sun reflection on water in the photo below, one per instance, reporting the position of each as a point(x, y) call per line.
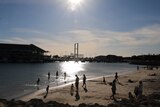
point(72, 68)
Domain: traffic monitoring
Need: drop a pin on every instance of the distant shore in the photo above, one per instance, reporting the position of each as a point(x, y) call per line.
point(100, 93)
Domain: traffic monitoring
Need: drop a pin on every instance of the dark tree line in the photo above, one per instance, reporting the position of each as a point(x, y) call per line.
point(139, 59)
point(146, 59)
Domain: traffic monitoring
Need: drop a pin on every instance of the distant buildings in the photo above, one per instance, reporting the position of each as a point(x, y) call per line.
point(22, 53)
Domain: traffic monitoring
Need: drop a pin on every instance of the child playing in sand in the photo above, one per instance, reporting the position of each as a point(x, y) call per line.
point(72, 90)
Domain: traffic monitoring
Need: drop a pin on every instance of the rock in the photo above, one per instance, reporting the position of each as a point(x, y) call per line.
point(4, 101)
point(155, 95)
point(35, 103)
point(82, 105)
point(56, 104)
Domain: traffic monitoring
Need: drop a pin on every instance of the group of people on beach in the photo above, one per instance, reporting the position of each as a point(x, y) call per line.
point(47, 88)
point(137, 91)
point(72, 90)
point(57, 75)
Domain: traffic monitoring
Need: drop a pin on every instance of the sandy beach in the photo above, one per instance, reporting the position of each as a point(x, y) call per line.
point(100, 93)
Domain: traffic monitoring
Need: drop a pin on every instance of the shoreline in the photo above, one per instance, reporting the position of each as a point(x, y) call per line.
point(36, 92)
point(55, 93)
point(98, 92)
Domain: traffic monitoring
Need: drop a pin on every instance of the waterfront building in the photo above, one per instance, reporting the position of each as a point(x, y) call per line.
point(22, 53)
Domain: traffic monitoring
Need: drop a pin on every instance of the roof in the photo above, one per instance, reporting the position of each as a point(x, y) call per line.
point(5, 46)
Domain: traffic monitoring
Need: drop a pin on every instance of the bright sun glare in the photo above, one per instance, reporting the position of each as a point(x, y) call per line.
point(72, 68)
point(74, 4)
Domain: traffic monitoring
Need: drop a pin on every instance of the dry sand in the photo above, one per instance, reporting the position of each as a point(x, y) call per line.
point(100, 93)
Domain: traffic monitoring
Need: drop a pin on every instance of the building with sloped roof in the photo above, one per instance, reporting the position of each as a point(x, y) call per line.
point(21, 53)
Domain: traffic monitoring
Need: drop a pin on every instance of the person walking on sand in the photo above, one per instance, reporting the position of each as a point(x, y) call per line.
point(84, 80)
point(77, 82)
point(113, 88)
point(47, 89)
point(56, 74)
point(117, 80)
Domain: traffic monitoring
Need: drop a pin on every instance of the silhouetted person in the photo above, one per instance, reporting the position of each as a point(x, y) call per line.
point(136, 91)
point(140, 89)
point(57, 75)
point(72, 90)
point(104, 80)
point(47, 89)
point(48, 76)
point(130, 96)
point(65, 75)
point(38, 81)
point(77, 82)
point(77, 96)
point(113, 89)
point(116, 76)
point(84, 80)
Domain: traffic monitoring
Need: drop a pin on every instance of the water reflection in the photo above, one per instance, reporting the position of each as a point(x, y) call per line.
point(71, 68)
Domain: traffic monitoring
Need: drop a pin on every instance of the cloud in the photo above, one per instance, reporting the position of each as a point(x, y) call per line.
point(93, 41)
point(16, 40)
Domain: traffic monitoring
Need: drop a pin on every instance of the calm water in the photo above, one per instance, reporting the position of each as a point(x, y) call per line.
point(19, 79)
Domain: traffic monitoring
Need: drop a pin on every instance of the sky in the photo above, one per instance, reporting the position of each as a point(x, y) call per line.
point(101, 27)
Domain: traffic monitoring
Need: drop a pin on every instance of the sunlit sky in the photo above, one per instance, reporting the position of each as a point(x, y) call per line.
point(101, 27)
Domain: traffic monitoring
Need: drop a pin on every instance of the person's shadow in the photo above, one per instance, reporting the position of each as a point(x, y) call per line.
point(85, 89)
point(45, 95)
point(77, 96)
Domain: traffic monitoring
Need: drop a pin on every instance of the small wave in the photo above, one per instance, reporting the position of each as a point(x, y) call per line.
point(32, 85)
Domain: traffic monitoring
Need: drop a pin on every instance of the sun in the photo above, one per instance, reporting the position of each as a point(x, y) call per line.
point(74, 4)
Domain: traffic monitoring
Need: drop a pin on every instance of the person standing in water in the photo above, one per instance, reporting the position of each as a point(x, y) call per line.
point(38, 81)
point(65, 75)
point(48, 76)
point(57, 75)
